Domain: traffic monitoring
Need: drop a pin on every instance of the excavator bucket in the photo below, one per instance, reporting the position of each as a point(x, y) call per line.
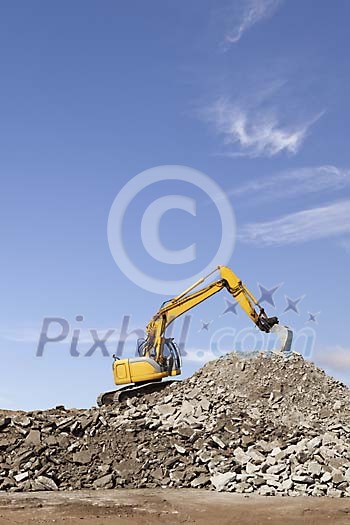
point(285, 335)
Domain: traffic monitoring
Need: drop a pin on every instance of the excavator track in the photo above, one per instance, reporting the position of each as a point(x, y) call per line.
point(128, 392)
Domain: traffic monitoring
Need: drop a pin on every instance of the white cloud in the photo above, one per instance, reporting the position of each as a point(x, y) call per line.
point(243, 14)
point(296, 182)
point(256, 132)
point(336, 358)
point(307, 225)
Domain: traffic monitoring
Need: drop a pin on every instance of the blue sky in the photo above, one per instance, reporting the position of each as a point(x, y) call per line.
point(253, 93)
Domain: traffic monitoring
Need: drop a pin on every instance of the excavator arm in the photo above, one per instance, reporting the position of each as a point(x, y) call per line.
point(184, 302)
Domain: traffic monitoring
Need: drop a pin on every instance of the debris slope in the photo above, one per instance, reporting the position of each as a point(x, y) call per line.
point(261, 424)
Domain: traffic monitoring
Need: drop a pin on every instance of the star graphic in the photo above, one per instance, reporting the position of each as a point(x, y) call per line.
point(205, 326)
point(293, 304)
point(313, 317)
point(267, 295)
point(230, 307)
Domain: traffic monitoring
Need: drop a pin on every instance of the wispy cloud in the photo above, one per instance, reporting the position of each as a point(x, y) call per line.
point(243, 14)
point(332, 220)
point(256, 131)
point(336, 358)
point(300, 181)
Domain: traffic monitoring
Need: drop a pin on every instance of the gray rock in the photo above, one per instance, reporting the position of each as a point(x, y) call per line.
point(240, 456)
point(337, 405)
point(22, 476)
point(220, 480)
point(287, 484)
point(185, 431)
point(200, 481)
point(258, 481)
point(275, 451)
point(218, 441)
point(4, 422)
point(337, 476)
point(180, 449)
point(83, 457)
point(105, 482)
point(328, 439)
point(33, 438)
point(334, 493)
point(242, 487)
point(327, 476)
point(302, 479)
point(251, 468)
point(165, 410)
point(314, 468)
point(314, 443)
point(265, 490)
point(44, 483)
point(205, 404)
point(276, 469)
point(177, 475)
point(255, 456)
point(21, 421)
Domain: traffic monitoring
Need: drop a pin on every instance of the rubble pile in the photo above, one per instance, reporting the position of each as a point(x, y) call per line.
point(261, 424)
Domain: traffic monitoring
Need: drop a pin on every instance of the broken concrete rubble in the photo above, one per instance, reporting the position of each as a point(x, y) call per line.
point(260, 425)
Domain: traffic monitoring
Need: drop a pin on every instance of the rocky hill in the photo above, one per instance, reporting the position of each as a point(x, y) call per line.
point(243, 424)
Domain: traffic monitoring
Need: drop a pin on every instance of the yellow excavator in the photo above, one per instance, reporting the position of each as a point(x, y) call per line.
point(159, 356)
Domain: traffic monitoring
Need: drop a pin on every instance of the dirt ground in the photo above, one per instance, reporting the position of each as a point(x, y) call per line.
point(170, 507)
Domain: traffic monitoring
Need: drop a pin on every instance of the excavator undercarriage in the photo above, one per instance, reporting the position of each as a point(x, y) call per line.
point(135, 390)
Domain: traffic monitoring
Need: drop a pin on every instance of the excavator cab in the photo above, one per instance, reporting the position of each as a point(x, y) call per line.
point(171, 354)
